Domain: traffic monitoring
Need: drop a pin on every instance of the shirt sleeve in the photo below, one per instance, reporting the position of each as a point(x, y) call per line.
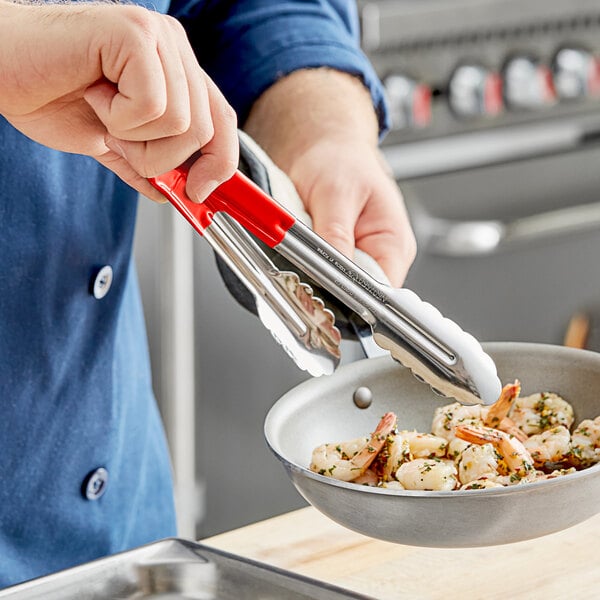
point(247, 45)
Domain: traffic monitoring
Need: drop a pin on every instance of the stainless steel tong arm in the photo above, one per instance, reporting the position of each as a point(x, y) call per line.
point(435, 348)
point(251, 267)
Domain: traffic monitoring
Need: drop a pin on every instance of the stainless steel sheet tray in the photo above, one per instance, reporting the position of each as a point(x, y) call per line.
point(175, 568)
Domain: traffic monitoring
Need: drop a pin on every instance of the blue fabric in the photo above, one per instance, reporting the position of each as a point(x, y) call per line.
point(75, 386)
point(247, 45)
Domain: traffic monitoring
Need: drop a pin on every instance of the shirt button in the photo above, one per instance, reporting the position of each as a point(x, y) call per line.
point(94, 485)
point(102, 282)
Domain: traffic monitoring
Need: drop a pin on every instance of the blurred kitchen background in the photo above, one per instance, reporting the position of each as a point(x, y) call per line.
point(496, 109)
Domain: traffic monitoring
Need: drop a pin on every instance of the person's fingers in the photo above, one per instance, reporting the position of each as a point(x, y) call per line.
point(384, 232)
point(156, 156)
point(219, 158)
point(376, 223)
point(133, 65)
point(118, 165)
point(366, 211)
point(219, 154)
point(134, 97)
point(334, 208)
point(171, 114)
point(212, 129)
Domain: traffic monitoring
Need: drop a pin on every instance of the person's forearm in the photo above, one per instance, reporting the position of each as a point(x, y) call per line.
point(320, 126)
point(291, 114)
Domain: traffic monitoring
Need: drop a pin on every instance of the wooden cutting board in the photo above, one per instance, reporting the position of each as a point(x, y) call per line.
point(561, 566)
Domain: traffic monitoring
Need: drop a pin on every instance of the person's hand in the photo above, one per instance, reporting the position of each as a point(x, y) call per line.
point(354, 202)
point(320, 127)
point(118, 83)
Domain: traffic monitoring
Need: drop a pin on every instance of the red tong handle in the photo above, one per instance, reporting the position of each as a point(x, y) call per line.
point(239, 197)
point(172, 186)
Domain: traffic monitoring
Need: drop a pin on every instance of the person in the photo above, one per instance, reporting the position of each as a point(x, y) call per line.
point(95, 99)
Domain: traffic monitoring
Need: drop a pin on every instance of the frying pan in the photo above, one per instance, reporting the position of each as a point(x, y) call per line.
point(324, 410)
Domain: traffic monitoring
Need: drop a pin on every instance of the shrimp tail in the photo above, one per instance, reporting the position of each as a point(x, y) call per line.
point(500, 409)
point(509, 426)
point(367, 455)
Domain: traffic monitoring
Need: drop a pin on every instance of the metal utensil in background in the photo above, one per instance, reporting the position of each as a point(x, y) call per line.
point(447, 237)
point(298, 321)
point(436, 349)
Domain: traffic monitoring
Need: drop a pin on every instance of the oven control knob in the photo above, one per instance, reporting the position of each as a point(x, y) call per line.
point(409, 102)
point(475, 91)
point(576, 73)
point(528, 83)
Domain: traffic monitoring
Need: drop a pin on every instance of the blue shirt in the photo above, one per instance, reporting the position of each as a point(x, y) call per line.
point(85, 469)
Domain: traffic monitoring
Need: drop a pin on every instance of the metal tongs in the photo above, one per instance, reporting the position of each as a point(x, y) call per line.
point(287, 307)
point(435, 348)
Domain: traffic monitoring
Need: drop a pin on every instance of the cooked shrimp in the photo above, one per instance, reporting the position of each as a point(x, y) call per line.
point(348, 460)
point(424, 445)
point(538, 412)
point(369, 477)
point(428, 474)
point(556, 473)
point(497, 414)
point(530, 441)
point(500, 409)
point(392, 485)
point(456, 448)
point(404, 446)
point(477, 461)
point(552, 445)
point(395, 452)
point(489, 480)
point(509, 426)
point(446, 418)
point(585, 443)
point(513, 453)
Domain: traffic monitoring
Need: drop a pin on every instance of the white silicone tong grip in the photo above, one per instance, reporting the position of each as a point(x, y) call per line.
point(466, 348)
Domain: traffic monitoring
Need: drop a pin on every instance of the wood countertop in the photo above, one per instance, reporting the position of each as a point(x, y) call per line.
point(564, 565)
